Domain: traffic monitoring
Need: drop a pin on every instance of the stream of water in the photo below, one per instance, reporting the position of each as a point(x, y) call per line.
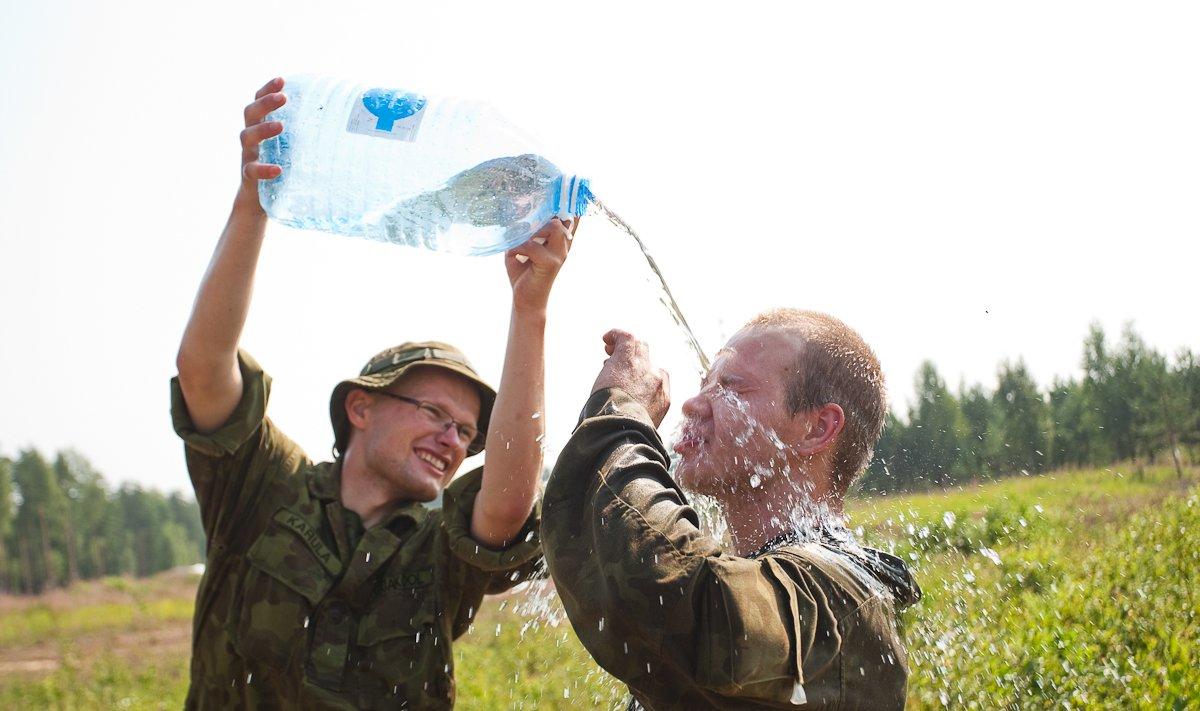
point(665, 297)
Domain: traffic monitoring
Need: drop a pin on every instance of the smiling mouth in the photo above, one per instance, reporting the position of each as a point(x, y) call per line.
point(433, 461)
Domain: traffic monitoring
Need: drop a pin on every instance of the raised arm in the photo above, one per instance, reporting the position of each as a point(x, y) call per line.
point(517, 425)
point(207, 361)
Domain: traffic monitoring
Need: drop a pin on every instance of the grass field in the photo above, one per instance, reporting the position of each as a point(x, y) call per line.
point(1073, 590)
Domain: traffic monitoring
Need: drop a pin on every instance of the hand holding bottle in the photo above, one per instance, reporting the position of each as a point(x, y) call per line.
point(269, 98)
point(532, 267)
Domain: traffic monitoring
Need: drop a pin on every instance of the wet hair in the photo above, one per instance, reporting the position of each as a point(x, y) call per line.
point(834, 365)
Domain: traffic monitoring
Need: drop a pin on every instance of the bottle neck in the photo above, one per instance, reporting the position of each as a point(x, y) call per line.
point(573, 197)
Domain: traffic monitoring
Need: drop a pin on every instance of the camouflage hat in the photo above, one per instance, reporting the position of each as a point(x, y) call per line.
point(386, 368)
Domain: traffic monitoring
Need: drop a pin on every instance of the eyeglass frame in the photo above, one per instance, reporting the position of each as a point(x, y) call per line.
point(442, 416)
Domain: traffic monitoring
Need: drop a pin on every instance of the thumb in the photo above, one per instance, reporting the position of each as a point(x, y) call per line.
point(617, 339)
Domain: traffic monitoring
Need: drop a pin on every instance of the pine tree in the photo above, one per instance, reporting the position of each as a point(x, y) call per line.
point(1020, 421)
point(936, 428)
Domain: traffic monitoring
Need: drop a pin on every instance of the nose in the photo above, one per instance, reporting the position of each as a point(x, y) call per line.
point(697, 407)
point(449, 437)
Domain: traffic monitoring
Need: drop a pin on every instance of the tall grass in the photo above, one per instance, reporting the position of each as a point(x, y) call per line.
point(1070, 590)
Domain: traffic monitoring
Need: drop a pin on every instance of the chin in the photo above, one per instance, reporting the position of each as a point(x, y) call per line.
point(426, 496)
point(417, 488)
point(691, 480)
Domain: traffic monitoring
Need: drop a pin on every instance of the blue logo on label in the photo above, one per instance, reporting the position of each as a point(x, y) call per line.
point(390, 106)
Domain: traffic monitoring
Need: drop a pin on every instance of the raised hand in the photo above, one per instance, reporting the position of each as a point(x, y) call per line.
point(533, 266)
point(628, 368)
point(266, 100)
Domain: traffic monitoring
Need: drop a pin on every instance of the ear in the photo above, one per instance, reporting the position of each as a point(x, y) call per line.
point(358, 406)
point(821, 428)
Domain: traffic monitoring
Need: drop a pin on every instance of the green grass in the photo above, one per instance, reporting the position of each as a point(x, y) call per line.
point(1072, 590)
point(105, 683)
point(102, 606)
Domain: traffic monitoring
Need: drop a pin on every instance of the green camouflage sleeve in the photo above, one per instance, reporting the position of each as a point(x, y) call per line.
point(655, 601)
point(231, 468)
point(475, 568)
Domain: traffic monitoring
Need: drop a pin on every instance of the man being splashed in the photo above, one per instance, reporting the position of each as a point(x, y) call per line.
point(796, 613)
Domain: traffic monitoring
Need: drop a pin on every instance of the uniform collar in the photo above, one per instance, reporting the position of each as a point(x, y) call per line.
point(833, 535)
point(783, 539)
point(410, 510)
point(325, 483)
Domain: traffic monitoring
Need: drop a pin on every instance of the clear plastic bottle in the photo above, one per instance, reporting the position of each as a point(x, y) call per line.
point(395, 166)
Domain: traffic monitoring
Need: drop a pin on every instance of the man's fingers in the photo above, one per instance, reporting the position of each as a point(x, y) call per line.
point(534, 250)
point(272, 86)
point(616, 339)
point(554, 235)
point(259, 108)
point(558, 238)
point(251, 136)
point(261, 171)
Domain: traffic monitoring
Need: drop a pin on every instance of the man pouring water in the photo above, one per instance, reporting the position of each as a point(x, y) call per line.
point(330, 585)
point(794, 612)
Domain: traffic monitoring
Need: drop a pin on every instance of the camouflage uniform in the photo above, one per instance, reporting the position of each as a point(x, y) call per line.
point(687, 626)
point(300, 606)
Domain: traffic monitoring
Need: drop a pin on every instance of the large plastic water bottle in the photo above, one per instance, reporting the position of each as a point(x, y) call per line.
point(396, 166)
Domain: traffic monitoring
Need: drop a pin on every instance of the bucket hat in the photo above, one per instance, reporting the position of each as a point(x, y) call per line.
point(388, 366)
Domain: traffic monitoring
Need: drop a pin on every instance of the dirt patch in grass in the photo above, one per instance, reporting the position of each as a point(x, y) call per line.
point(169, 641)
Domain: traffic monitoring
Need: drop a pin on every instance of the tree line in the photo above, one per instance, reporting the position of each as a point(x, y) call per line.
point(60, 522)
point(1131, 404)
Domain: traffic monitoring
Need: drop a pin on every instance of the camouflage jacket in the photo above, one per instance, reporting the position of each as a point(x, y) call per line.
point(299, 606)
point(687, 626)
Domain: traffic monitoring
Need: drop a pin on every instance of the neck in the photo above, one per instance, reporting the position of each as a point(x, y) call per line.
point(781, 506)
point(363, 493)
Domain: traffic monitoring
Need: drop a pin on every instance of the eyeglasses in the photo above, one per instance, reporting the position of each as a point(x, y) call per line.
point(437, 416)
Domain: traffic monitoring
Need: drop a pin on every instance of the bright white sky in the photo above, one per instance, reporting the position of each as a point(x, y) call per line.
point(965, 182)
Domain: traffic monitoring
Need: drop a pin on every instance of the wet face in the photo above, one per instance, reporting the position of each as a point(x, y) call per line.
point(733, 435)
point(408, 450)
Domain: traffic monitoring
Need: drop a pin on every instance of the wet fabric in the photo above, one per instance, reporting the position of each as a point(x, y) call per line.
point(299, 606)
point(688, 626)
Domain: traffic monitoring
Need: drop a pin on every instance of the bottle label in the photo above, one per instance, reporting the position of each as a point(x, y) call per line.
point(387, 113)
